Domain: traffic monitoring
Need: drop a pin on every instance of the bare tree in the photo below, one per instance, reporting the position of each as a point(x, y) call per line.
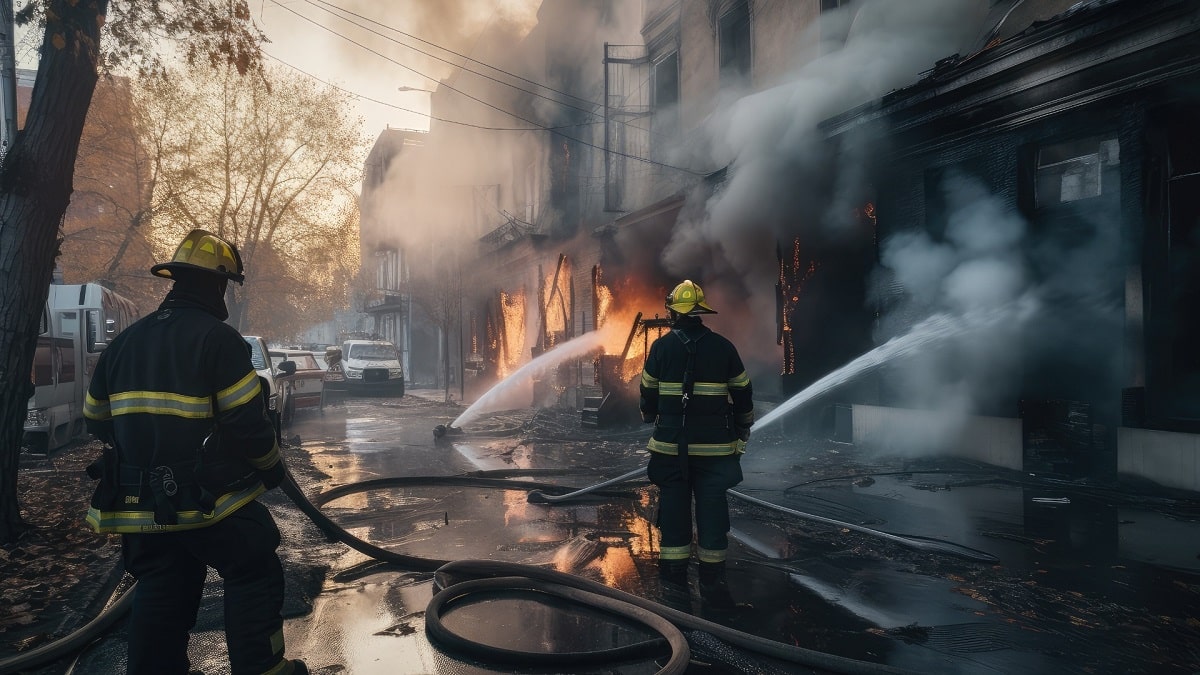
point(271, 162)
point(36, 177)
point(106, 234)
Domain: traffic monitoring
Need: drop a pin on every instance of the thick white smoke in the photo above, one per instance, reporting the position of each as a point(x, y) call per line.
point(770, 143)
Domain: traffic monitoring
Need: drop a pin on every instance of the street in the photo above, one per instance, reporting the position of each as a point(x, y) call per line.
point(1071, 585)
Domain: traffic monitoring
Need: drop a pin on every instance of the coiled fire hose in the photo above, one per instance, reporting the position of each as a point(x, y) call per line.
point(488, 575)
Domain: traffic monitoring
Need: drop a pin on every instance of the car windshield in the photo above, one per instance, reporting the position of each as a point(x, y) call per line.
point(257, 358)
point(305, 361)
point(376, 352)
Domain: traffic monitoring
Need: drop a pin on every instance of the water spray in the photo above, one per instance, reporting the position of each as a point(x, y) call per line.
point(538, 497)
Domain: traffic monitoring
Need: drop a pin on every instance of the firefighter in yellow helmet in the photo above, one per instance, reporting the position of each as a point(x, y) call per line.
point(189, 447)
point(696, 392)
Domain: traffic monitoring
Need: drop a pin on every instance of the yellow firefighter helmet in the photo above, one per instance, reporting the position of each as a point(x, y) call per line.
point(688, 298)
point(206, 252)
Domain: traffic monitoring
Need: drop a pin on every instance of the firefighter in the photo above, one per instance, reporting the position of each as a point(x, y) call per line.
point(189, 447)
point(696, 392)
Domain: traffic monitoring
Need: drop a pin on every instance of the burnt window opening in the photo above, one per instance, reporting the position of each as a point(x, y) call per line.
point(830, 5)
point(733, 45)
point(665, 122)
point(1077, 170)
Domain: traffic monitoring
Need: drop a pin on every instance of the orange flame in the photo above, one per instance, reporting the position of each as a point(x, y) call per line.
point(617, 310)
point(793, 274)
point(512, 308)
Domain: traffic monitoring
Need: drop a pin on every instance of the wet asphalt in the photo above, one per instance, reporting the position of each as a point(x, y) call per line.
point(926, 564)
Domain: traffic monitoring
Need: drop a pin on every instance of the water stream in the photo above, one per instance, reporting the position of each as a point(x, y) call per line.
point(935, 329)
point(500, 396)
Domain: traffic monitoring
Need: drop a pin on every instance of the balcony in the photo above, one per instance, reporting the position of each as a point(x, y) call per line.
point(380, 301)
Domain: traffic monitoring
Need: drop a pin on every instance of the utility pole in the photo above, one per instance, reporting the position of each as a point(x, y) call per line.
point(8, 78)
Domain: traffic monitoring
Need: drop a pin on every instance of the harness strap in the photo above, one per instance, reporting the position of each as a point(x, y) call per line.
point(689, 382)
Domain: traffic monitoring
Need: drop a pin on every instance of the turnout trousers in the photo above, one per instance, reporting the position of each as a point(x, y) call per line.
point(707, 480)
point(170, 568)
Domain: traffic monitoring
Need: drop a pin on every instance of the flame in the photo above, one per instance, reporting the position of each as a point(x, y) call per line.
point(510, 351)
point(556, 294)
point(793, 274)
point(617, 309)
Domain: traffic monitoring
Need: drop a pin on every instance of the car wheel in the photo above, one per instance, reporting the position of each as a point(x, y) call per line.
point(37, 443)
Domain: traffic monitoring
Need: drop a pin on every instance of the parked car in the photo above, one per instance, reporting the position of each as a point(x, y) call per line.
point(273, 376)
point(304, 386)
point(372, 365)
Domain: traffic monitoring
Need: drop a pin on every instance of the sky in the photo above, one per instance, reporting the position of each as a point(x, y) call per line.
point(354, 45)
point(359, 46)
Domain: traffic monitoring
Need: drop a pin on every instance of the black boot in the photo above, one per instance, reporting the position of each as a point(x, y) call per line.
point(673, 578)
point(714, 589)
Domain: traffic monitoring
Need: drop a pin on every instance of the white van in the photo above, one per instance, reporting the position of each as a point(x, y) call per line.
point(372, 365)
point(78, 322)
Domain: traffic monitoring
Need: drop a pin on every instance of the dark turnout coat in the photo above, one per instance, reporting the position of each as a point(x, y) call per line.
point(160, 389)
point(719, 406)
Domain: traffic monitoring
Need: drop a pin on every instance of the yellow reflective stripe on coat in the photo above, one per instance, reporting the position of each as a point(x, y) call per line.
point(242, 392)
point(139, 522)
point(740, 381)
point(697, 449)
point(698, 389)
point(268, 460)
point(96, 409)
point(710, 389)
point(160, 403)
point(649, 381)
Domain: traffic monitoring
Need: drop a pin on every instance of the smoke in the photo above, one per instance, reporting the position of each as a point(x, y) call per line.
point(977, 270)
point(777, 186)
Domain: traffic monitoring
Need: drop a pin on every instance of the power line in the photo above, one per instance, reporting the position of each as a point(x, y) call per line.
point(492, 106)
point(593, 104)
point(459, 67)
point(407, 110)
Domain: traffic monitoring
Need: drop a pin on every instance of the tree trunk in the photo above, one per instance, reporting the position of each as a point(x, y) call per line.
point(35, 188)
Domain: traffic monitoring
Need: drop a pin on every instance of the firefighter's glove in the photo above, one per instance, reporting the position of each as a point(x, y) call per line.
point(743, 434)
point(272, 477)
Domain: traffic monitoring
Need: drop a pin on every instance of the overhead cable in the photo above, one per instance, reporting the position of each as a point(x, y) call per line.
point(590, 111)
point(552, 130)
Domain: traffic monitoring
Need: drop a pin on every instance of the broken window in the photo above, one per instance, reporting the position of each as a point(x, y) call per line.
point(665, 123)
point(1069, 172)
point(733, 41)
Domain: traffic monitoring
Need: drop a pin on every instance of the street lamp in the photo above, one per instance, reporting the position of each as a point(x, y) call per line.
point(428, 91)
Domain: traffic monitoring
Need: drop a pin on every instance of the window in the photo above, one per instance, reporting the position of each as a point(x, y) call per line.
point(829, 5)
point(733, 44)
point(666, 96)
point(1069, 172)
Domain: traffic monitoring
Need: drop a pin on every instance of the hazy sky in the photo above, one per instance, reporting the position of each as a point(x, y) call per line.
point(370, 59)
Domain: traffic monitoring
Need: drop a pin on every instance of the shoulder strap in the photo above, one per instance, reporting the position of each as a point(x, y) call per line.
point(688, 379)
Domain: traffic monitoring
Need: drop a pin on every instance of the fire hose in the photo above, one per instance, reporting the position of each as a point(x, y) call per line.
point(487, 575)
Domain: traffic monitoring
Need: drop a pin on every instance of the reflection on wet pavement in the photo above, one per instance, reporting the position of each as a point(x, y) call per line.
point(1088, 580)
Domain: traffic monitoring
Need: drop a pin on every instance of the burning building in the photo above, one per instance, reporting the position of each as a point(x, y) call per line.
point(1027, 192)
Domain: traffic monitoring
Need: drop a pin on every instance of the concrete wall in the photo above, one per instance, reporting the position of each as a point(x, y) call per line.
point(1165, 457)
point(993, 440)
